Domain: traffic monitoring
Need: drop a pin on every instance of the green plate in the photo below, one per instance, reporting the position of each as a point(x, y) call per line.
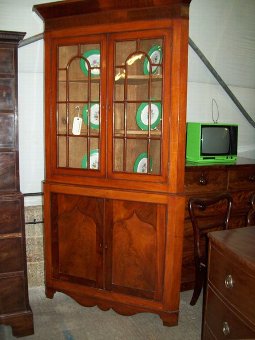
point(93, 57)
point(141, 162)
point(155, 54)
point(94, 160)
point(142, 115)
point(94, 115)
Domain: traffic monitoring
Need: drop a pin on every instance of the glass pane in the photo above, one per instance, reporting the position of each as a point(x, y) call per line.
point(62, 158)
point(138, 110)
point(136, 152)
point(78, 106)
point(6, 94)
point(7, 135)
point(6, 60)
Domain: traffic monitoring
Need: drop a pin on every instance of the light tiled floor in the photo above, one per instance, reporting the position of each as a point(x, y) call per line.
point(64, 319)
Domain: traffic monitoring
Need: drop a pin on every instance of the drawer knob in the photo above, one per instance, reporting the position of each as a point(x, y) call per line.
point(251, 178)
point(203, 180)
point(229, 282)
point(226, 328)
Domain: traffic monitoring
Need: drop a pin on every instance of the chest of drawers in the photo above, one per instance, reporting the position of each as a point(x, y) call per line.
point(230, 296)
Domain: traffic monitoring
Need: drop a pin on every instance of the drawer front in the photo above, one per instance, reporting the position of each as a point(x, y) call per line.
point(242, 178)
point(242, 294)
point(207, 333)
point(12, 298)
point(11, 218)
point(8, 171)
point(11, 255)
point(205, 181)
point(223, 322)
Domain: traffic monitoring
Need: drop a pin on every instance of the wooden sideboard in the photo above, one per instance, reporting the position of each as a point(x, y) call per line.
point(203, 180)
point(230, 295)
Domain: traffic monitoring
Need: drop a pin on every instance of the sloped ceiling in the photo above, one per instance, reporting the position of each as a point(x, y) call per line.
point(224, 30)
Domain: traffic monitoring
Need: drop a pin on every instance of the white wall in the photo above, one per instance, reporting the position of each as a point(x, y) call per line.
point(223, 30)
point(225, 33)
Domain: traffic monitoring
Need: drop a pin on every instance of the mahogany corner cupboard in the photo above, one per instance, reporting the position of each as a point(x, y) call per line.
point(115, 100)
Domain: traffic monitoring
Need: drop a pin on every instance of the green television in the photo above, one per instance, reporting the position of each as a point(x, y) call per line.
point(211, 142)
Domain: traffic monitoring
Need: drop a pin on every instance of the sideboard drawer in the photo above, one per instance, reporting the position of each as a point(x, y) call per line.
point(244, 179)
point(235, 284)
point(200, 181)
point(223, 321)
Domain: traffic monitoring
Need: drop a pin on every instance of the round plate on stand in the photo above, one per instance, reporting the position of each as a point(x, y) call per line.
point(94, 115)
point(155, 55)
point(141, 163)
point(94, 160)
point(143, 114)
point(93, 57)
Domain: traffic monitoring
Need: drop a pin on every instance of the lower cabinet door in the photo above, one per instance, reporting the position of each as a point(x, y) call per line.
point(116, 245)
point(77, 228)
point(135, 242)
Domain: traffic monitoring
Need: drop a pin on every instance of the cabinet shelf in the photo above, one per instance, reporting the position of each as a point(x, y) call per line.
point(138, 133)
point(138, 79)
point(82, 81)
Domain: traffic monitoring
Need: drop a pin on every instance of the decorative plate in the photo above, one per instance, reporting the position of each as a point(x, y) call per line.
point(94, 115)
point(141, 163)
point(93, 57)
point(142, 115)
point(155, 54)
point(94, 158)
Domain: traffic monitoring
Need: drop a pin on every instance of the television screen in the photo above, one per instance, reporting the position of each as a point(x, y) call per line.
point(215, 140)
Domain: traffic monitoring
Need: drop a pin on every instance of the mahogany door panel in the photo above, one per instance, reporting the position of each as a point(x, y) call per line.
point(77, 225)
point(135, 255)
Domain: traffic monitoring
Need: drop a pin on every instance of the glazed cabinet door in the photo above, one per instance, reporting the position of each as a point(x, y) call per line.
point(77, 241)
point(139, 104)
point(76, 141)
point(8, 118)
point(135, 248)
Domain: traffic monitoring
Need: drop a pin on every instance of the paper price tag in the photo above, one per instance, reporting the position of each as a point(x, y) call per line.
point(77, 122)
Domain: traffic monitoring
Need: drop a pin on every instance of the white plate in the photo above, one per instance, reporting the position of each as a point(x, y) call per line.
point(94, 115)
point(141, 163)
point(93, 57)
point(94, 160)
